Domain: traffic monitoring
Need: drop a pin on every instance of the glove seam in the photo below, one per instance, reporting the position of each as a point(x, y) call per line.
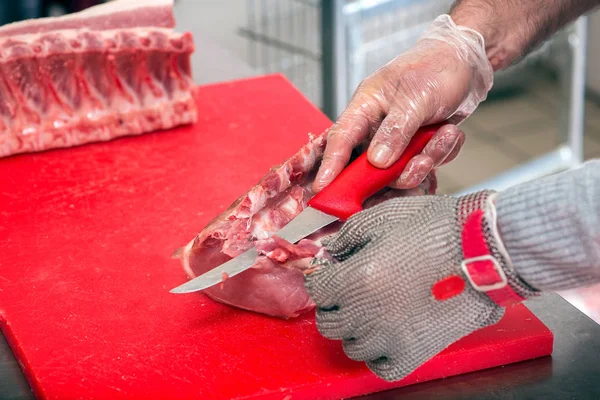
point(492, 218)
point(495, 242)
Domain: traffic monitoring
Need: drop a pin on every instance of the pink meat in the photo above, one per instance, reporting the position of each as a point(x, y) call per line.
point(275, 283)
point(282, 251)
point(112, 70)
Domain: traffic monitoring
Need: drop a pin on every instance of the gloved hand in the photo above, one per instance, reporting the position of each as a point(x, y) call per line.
point(446, 75)
point(397, 291)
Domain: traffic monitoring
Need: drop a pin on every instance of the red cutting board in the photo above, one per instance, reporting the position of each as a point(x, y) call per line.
point(86, 236)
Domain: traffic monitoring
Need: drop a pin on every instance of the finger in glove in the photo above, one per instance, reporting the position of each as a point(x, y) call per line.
point(365, 226)
point(362, 116)
point(363, 343)
point(446, 142)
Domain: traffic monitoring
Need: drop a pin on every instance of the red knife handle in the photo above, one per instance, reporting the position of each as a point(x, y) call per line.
point(360, 180)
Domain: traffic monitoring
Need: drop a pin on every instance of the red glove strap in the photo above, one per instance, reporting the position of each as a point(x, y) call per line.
point(481, 268)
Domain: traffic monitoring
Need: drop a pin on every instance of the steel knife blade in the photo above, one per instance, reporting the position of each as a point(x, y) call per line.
point(308, 221)
point(338, 201)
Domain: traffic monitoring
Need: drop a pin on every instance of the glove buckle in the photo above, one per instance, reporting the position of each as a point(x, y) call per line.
point(484, 272)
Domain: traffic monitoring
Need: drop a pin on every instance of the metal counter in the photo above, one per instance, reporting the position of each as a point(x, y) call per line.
point(573, 371)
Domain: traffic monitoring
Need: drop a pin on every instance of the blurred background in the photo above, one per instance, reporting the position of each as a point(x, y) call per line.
point(542, 116)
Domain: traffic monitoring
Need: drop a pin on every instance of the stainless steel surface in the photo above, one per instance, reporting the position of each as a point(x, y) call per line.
point(571, 373)
point(13, 385)
point(285, 37)
point(308, 221)
point(334, 60)
point(211, 61)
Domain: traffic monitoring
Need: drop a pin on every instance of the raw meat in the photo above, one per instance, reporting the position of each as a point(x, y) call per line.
point(111, 70)
point(275, 284)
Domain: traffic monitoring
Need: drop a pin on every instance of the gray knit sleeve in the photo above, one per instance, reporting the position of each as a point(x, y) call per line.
point(551, 228)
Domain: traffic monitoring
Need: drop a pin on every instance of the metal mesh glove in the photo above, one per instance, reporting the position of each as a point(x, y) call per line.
point(379, 294)
point(445, 75)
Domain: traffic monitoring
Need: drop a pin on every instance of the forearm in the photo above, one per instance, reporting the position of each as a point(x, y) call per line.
point(551, 228)
point(512, 28)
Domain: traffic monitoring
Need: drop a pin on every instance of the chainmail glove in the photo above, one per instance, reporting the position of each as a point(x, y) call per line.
point(411, 276)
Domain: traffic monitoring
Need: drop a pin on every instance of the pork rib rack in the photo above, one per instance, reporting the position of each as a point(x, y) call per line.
point(111, 70)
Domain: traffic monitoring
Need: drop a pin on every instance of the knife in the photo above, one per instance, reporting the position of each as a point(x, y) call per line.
point(338, 201)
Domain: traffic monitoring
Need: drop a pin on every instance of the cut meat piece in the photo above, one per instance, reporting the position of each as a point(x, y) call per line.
point(275, 283)
point(111, 70)
point(282, 251)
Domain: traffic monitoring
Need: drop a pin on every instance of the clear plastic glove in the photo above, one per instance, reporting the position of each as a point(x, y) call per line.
point(387, 292)
point(445, 76)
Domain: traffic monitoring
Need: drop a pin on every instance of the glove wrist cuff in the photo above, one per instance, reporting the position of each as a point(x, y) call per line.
point(486, 264)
